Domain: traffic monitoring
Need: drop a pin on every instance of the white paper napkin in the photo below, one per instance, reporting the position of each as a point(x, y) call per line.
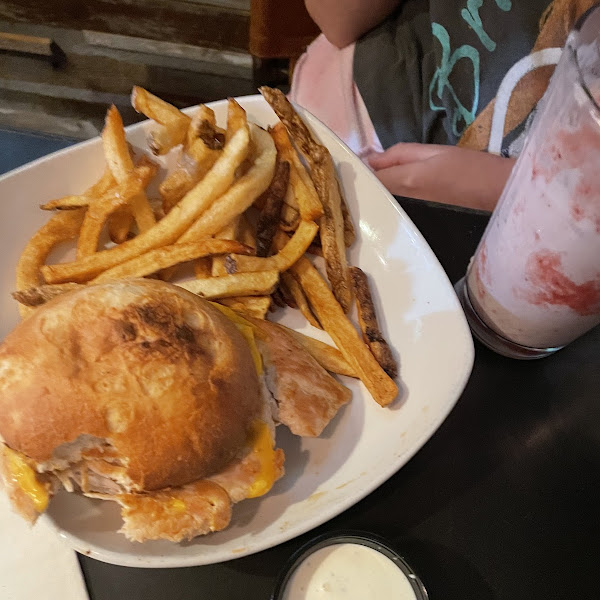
point(34, 563)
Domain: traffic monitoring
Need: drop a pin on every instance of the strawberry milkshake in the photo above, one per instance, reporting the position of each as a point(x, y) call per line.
point(533, 285)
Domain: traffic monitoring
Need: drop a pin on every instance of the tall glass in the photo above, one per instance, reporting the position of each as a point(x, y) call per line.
point(533, 284)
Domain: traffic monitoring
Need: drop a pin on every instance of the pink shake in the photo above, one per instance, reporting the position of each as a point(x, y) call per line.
point(535, 278)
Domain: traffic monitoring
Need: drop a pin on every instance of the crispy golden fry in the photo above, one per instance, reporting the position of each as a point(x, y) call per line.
point(229, 232)
point(300, 298)
point(61, 227)
point(240, 284)
point(36, 296)
point(168, 230)
point(242, 193)
point(236, 118)
point(70, 202)
point(277, 299)
point(203, 144)
point(120, 224)
point(268, 221)
point(305, 194)
point(66, 203)
point(247, 233)
point(116, 149)
point(118, 159)
point(203, 268)
point(173, 124)
point(286, 295)
point(204, 127)
point(331, 225)
point(326, 184)
point(98, 213)
point(286, 257)
point(342, 332)
point(330, 358)
point(369, 325)
point(349, 231)
point(101, 208)
point(161, 258)
point(253, 306)
point(176, 185)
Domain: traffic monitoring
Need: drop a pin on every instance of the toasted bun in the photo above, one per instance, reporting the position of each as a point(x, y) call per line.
point(153, 373)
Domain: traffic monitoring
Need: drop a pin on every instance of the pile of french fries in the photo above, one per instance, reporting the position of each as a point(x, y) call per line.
point(244, 206)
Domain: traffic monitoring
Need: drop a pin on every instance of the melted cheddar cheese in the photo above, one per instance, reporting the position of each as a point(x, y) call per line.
point(247, 330)
point(178, 506)
point(23, 475)
point(263, 449)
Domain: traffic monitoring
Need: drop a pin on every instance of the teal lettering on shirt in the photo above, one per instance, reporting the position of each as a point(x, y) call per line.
point(461, 117)
point(471, 16)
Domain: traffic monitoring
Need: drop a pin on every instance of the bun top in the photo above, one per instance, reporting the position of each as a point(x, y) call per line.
point(148, 370)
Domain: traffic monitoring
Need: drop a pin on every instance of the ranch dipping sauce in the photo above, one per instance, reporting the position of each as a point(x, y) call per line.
point(348, 571)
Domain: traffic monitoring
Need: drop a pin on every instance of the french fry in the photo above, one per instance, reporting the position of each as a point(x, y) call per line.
point(330, 358)
point(115, 198)
point(286, 257)
point(98, 213)
point(173, 124)
point(203, 144)
point(175, 186)
point(66, 203)
point(286, 295)
point(242, 193)
point(305, 194)
point(114, 143)
point(268, 220)
point(277, 299)
point(326, 184)
point(368, 323)
point(38, 295)
point(120, 224)
point(300, 298)
point(331, 225)
point(253, 306)
point(203, 268)
point(331, 315)
point(247, 232)
point(204, 127)
point(229, 232)
point(240, 284)
point(256, 305)
point(236, 118)
point(161, 258)
point(118, 159)
point(349, 231)
point(70, 202)
point(168, 230)
point(61, 227)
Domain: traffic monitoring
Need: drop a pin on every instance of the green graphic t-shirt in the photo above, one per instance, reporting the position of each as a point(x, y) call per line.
point(430, 68)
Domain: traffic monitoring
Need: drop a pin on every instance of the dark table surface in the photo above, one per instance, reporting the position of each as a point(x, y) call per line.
point(502, 503)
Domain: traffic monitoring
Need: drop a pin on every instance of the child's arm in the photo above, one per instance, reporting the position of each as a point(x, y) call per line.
point(444, 174)
point(343, 22)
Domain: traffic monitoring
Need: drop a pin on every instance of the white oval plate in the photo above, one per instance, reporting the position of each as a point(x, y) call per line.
point(365, 444)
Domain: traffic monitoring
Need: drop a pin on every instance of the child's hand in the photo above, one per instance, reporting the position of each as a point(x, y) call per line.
point(444, 174)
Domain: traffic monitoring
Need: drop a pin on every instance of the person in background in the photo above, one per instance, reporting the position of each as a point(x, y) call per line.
point(410, 86)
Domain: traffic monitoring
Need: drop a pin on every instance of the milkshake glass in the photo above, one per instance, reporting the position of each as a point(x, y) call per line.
point(533, 284)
